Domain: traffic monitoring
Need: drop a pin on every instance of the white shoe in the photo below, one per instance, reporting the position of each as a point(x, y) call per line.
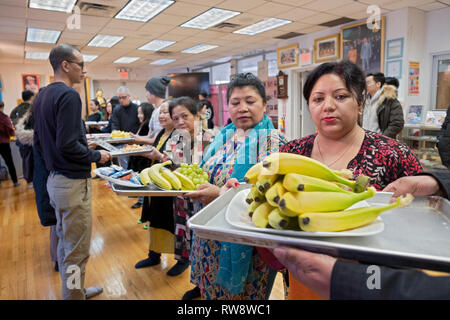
point(93, 291)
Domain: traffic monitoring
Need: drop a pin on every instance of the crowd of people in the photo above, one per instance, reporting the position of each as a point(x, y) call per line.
point(357, 118)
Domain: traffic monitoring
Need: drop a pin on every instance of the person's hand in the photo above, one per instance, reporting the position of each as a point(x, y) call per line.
point(153, 155)
point(312, 269)
point(105, 156)
point(232, 183)
point(416, 185)
point(205, 193)
point(92, 145)
point(141, 139)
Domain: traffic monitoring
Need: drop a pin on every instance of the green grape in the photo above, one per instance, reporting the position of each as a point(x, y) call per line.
point(196, 181)
point(184, 165)
point(205, 175)
point(188, 171)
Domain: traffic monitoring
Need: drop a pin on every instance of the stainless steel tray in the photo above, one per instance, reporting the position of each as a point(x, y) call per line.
point(416, 236)
point(117, 152)
point(95, 123)
point(147, 191)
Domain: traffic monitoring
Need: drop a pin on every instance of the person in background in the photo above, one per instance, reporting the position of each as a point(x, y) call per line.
point(206, 114)
point(24, 135)
point(374, 83)
point(138, 164)
point(61, 140)
point(156, 93)
point(19, 111)
point(338, 279)
point(6, 132)
point(158, 211)
point(95, 116)
point(108, 115)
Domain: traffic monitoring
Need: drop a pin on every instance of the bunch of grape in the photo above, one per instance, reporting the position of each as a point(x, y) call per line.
point(193, 172)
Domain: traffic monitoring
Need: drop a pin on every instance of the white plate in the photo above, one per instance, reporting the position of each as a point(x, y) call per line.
point(118, 181)
point(237, 216)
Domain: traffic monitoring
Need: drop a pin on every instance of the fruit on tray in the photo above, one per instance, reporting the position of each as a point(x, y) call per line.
point(194, 173)
point(118, 134)
point(293, 192)
point(133, 148)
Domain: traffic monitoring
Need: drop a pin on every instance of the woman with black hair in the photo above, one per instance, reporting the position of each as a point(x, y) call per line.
point(206, 114)
point(95, 116)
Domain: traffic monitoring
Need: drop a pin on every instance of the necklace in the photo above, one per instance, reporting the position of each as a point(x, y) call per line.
point(334, 161)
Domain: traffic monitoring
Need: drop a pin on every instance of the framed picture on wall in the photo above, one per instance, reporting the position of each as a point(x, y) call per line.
point(287, 57)
point(327, 48)
point(363, 44)
point(394, 69)
point(394, 48)
point(30, 82)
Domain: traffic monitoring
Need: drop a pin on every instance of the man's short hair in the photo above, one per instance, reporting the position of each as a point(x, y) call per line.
point(60, 53)
point(392, 81)
point(27, 95)
point(377, 77)
point(124, 89)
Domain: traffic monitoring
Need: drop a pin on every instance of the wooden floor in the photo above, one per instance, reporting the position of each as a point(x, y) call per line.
point(117, 243)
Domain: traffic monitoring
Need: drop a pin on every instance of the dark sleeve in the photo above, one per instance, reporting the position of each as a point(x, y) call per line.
point(396, 120)
point(350, 280)
point(68, 130)
point(443, 178)
point(115, 121)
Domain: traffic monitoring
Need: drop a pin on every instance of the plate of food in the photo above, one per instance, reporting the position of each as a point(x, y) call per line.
point(120, 176)
point(130, 149)
point(237, 216)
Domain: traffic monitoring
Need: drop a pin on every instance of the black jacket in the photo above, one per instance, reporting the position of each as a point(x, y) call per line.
point(390, 112)
point(443, 142)
point(19, 111)
point(349, 279)
point(125, 118)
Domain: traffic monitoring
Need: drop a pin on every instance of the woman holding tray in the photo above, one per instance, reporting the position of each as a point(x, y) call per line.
point(186, 145)
point(222, 270)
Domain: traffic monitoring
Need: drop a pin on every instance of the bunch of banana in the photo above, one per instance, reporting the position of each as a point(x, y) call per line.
point(165, 178)
point(293, 192)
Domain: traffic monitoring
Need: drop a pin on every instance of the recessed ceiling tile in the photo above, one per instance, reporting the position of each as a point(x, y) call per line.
point(432, 6)
point(405, 3)
point(55, 16)
point(326, 5)
point(124, 24)
point(185, 9)
point(169, 19)
point(312, 29)
point(49, 25)
point(319, 18)
point(270, 8)
point(349, 8)
point(296, 3)
point(245, 19)
point(203, 2)
point(297, 14)
point(12, 12)
point(241, 6)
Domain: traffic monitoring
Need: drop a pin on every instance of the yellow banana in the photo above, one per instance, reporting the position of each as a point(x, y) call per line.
point(155, 174)
point(297, 182)
point(260, 216)
point(265, 181)
point(362, 182)
point(186, 183)
point(143, 176)
point(252, 174)
point(274, 193)
point(252, 207)
point(348, 219)
point(249, 199)
point(293, 204)
point(344, 173)
point(279, 221)
point(256, 194)
point(284, 163)
point(172, 178)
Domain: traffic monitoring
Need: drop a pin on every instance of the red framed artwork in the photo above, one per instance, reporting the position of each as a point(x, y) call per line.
point(31, 82)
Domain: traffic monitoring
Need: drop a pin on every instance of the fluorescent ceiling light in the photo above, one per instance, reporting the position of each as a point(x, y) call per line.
point(104, 41)
point(210, 18)
point(162, 62)
point(143, 10)
point(37, 55)
point(262, 26)
point(200, 48)
point(156, 45)
point(127, 60)
point(89, 57)
point(53, 5)
point(42, 35)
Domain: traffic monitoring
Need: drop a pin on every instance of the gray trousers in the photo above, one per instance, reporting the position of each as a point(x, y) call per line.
point(72, 201)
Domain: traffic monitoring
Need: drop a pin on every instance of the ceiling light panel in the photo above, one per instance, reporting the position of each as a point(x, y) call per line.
point(42, 35)
point(210, 18)
point(262, 26)
point(143, 10)
point(53, 5)
point(156, 45)
point(104, 41)
point(162, 62)
point(127, 60)
point(37, 55)
point(200, 48)
point(89, 57)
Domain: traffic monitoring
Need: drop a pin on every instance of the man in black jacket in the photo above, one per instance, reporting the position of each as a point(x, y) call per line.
point(21, 109)
point(337, 279)
point(125, 115)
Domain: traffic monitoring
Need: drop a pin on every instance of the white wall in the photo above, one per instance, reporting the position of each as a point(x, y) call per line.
point(109, 88)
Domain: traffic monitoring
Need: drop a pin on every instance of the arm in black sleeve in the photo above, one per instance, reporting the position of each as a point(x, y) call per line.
point(68, 131)
point(443, 178)
point(396, 120)
point(351, 280)
point(115, 121)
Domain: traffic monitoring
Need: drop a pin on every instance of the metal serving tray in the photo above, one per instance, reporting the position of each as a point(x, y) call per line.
point(95, 123)
point(147, 191)
point(106, 138)
point(416, 236)
point(117, 151)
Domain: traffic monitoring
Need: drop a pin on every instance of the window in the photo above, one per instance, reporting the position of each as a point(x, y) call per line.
point(249, 65)
point(441, 82)
point(221, 73)
point(273, 67)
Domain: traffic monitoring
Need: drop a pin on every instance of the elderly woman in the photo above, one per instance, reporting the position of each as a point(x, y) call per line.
point(335, 96)
point(186, 145)
point(223, 270)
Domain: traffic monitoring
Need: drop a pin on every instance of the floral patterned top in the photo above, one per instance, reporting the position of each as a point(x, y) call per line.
point(382, 159)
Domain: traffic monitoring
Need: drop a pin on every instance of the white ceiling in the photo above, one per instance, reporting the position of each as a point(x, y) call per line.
point(15, 17)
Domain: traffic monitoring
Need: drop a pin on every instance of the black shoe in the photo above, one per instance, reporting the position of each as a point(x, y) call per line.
point(56, 266)
point(152, 260)
point(192, 294)
point(178, 269)
point(137, 205)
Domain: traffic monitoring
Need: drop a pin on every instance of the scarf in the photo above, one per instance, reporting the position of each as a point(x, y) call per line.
point(235, 265)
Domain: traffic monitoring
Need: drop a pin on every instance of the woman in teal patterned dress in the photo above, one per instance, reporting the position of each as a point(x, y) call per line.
point(222, 270)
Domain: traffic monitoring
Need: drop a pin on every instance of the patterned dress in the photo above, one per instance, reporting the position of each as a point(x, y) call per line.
point(205, 253)
point(382, 159)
